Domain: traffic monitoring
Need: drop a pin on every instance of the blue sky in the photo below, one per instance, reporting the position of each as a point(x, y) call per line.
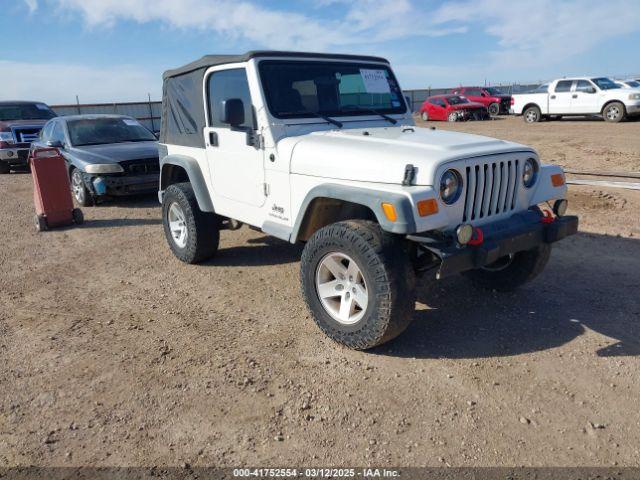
point(116, 50)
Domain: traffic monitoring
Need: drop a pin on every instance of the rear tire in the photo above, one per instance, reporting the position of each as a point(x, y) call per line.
point(193, 235)
point(506, 275)
point(371, 265)
point(532, 115)
point(614, 112)
point(494, 109)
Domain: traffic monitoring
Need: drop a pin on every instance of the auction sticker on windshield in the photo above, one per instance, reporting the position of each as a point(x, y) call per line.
point(375, 81)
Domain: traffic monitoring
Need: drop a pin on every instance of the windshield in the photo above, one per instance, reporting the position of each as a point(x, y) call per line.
point(493, 91)
point(457, 100)
point(26, 111)
point(605, 83)
point(294, 88)
point(633, 84)
point(97, 131)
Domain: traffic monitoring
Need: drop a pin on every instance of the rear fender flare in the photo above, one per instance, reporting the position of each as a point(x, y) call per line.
point(196, 178)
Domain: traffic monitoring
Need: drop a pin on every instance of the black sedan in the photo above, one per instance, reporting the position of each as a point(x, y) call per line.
point(107, 155)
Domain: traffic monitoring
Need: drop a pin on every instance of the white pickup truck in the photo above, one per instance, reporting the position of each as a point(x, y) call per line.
point(578, 96)
point(322, 149)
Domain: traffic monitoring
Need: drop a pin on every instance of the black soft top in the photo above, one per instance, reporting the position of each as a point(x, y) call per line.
point(212, 60)
point(183, 118)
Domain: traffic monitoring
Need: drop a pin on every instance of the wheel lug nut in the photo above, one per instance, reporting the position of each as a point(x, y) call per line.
point(339, 287)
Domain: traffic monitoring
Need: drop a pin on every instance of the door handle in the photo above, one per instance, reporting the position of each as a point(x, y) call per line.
point(213, 139)
point(575, 95)
point(553, 97)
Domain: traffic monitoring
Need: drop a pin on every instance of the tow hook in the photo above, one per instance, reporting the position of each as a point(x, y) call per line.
point(547, 217)
point(477, 238)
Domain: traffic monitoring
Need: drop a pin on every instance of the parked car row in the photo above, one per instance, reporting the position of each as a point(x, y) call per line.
point(466, 103)
point(579, 96)
point(106, 155)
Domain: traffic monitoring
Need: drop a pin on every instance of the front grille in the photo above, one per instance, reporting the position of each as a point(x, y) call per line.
point(141, 167)
point(491, 189)
point(26, 135)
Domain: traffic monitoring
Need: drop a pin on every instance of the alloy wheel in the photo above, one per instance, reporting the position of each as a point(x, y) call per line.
point(341, 288)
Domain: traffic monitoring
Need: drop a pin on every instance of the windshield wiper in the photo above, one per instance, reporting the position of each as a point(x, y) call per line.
point(360, 108)
point(315, 114)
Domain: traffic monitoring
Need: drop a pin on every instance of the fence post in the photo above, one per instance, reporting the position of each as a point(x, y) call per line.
point(78, 104)
point(153, 127)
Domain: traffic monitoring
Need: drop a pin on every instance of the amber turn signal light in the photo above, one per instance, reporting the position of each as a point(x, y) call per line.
point(389, 211)
point(557, 179)
point(427, 207)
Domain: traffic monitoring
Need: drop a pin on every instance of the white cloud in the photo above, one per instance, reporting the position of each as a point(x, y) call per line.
point(60, 83)
point(32, 5)
point(546, 31)
point(365, 21)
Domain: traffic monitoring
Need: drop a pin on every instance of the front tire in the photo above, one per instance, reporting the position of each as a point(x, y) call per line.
point(193, 235)
point(81, 194)
point(509, 273)
point(614, 112)
point(452, 117)
point(358, 283)
point(532, 115)
point(424, 116)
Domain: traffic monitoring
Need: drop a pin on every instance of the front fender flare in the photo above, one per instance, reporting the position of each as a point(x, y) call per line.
point(196, 178)
point(404, 224)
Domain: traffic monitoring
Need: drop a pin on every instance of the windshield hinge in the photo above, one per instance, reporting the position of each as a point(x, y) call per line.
point(409, 174)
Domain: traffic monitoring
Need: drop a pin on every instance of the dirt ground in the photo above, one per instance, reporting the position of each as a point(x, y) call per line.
point(113, 353)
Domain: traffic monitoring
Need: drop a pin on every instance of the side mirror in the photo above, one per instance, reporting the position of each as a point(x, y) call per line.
point(592, 90)
point(55, 144)
point(233, 112)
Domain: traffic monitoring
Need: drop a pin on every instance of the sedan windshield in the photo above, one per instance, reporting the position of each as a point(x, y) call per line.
point(633, 84)
point(457, 100)
point(605, 83)
point(294, 89)
point(25, 111)
point(97, 131)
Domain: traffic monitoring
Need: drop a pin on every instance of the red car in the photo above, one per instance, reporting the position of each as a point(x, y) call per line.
point(452, 108)
point(492, 98)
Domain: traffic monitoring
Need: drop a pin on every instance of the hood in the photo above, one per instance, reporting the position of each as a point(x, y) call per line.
point(115, 152)
point(6, 124)
point(381, 154)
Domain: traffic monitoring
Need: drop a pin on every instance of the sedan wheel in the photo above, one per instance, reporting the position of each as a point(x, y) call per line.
point(425, 116)
point(80, 192)
point(453, 117)
point(614, 112)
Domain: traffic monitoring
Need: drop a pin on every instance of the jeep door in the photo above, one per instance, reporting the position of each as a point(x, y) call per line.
point(235, 165)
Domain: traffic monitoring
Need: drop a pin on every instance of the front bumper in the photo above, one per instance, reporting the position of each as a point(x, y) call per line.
point(14, 156)
point(119, 185)
point(633, 109)
point(519, 233)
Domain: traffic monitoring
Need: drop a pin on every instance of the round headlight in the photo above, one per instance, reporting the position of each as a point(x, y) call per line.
point(450, 186)
point(529, 172)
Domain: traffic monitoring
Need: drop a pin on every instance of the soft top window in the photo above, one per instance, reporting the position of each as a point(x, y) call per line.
point(298, 89)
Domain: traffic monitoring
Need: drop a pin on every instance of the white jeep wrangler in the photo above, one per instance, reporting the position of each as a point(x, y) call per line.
point(322, 149)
